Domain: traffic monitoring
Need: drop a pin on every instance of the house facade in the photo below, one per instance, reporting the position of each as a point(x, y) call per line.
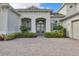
point(36, 20)
point(39, 20)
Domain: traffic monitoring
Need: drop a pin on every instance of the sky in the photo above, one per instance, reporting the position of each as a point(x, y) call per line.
point(53, 6)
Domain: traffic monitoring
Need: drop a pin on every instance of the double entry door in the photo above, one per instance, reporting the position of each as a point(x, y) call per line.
point(40, 27)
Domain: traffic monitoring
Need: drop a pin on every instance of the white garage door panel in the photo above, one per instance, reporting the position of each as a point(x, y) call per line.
point(75, 29)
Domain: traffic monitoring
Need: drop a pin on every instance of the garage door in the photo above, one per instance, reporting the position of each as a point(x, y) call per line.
point(75, 29)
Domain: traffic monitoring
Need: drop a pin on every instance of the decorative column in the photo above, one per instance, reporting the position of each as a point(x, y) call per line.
point(33, 25)
point(48, 24)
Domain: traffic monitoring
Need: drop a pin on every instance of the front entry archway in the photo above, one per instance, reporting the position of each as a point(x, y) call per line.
point(40, 25)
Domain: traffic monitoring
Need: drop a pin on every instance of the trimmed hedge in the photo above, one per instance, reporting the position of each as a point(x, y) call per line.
point(54, 34)
point(25, 35)
point(17, 35)
point(9, 36)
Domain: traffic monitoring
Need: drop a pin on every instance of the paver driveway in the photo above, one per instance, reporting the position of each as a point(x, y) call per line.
point(40, 46)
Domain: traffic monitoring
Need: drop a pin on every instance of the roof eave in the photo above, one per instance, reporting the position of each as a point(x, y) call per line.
point(6, 5)
point(61, 7)
point(70, 16)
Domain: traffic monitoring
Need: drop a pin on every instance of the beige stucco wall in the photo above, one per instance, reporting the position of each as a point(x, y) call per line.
point(13, 22)
point(66, 10)
point(3, 20)
point(77, 6)
point(9, 21)
point(34, 15)
point(72, 10)
point(68, 25)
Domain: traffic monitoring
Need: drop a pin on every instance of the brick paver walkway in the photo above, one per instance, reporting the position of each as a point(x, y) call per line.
point(40, 46)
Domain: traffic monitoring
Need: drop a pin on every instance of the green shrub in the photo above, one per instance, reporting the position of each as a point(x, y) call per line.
point(30, 34)
point(47, 34)
point(9, 36)
point(54, 34)
point(57, 27)
point(23, 28)
point(25, 35)
point(1, 37)
point(19, 35)
point(60, 34)
point(64, 30)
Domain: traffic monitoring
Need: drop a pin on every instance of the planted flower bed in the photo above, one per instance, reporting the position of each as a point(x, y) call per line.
point(23, 34)
point(56, 34)
point(53, 34)
point(17, 35)
point(1, 38)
